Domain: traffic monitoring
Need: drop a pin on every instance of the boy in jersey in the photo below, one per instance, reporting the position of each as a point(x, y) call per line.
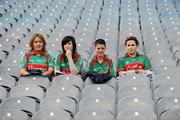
point(101, 63)
point(37, 60)
point(133, 62)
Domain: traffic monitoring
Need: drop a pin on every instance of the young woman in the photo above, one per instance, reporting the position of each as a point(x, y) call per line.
point(69, 61)
point(133, 62)
point(37, 58)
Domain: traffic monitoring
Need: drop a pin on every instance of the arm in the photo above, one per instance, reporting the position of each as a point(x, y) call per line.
point(72, 66)
point(120, 67)
point(22, 70)
point(50, 66)
point(49, 72)
point(57, 65)
point(112, 69)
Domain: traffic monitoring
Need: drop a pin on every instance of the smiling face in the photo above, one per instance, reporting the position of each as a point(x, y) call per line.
point(38, 44)
point(68, 46)
point(131, 47)
point(100, 50)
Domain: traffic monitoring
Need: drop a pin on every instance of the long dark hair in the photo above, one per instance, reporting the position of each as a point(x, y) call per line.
point(65, 40)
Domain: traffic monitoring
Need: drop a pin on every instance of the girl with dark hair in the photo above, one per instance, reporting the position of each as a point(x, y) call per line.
point(69, 61)
point(37, 58)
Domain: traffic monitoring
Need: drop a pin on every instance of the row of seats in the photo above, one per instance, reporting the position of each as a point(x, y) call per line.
point(154, 22)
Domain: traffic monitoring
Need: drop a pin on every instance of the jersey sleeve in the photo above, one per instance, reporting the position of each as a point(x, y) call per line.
point(90, 65)
point(57, 63)
point(120, 65)
point(50, 61)
point(79, 63)
point(147, 64)
point(23, 62)
point(112, 69)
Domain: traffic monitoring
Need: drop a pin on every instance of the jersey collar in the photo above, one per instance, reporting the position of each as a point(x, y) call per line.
point(137, 54)
point(104, 58)
point(35, 53)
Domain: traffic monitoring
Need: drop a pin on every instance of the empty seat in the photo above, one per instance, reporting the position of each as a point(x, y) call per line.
point(137, 114)
point(63, 103)
point(25, 104)
point(166, 79)
point(135, 101)
point(94, 115)
point(166, 91)
point(133, 79)
point(7, 81)
point(171, 114)
point(3, 93)
point(30, 90)
point(13, 114)
point(51, 114)
point(97, 103)
point(135, 90)
point(168, 104)
point(68, 79)
point(99, 90)
point(64, 90)
point(42, 81)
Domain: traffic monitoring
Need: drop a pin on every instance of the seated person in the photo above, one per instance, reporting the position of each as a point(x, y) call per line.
point(69, 61)
point(101, 65)
point(133, 62)
point(37, 60)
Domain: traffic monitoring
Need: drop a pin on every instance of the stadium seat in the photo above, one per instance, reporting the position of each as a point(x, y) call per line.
point(51, 114)
point(63, 103)
point(99, 90)
point(30, 90)
point(14, 114)
point(171, 106)
point(42, 81)
point(97, 103)
point(136, 114)
point(70, 79)
point(94, 114)
point(64, 90)
point(25, 104)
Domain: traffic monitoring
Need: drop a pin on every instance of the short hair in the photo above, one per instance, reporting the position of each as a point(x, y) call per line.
point(132, 38)
point(32, 41)
point(100, 41)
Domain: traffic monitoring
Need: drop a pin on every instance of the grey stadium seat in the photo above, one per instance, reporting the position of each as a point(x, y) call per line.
point(94, 115)
point(51, 114)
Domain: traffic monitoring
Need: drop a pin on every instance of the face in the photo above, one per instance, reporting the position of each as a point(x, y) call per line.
point(68, 46)
point(131, 47)
point(38, 44)
point(100, 50)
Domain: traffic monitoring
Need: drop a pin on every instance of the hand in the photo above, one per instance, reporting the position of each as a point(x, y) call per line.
point(141, 71)
point(68, 53)
point(26, 74)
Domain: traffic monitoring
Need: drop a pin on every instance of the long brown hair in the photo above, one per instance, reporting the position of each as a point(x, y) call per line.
point(32, 41)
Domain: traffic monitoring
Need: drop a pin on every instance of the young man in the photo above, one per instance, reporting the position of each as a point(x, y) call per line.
point(101, 63)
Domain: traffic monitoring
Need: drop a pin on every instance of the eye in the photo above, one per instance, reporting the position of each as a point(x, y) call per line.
point(98, 48)
point(128, 45)
point(102, 48)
